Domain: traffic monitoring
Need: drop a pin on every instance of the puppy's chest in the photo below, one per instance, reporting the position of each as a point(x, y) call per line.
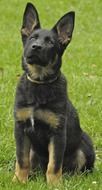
point(40, 102)
point(39, 125)
point(42, 115)
point(39, 94)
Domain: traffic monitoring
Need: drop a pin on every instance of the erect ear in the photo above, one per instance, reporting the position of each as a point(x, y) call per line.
point(30, 21)
point(64, 29)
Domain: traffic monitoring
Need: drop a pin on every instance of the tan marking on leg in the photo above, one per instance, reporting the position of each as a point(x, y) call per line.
point(23, 114)
point(81, 160)
point(48, 117)
point(21, 174)
point(52, 177)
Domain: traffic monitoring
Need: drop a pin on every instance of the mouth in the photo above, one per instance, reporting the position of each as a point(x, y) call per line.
point(32, 59)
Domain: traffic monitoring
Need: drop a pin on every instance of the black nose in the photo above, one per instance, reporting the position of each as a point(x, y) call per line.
point(36, 46)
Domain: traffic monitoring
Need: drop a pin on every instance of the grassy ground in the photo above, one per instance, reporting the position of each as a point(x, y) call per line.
point(82, 66)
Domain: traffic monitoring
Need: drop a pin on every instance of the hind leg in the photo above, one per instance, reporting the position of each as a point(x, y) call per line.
point(86, 147)
point(82, 159)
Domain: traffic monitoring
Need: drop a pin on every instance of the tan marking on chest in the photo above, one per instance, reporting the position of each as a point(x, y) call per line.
point(48, 117)
point(23, 114)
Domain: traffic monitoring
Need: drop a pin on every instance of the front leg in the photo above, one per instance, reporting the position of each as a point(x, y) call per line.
point(22, 152)
point(56, 150)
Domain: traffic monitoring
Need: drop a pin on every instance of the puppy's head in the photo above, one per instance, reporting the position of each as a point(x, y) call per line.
point(43, 48)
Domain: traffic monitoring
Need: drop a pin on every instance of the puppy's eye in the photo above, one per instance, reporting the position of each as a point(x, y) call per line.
point(48, 40)
point(34, 37)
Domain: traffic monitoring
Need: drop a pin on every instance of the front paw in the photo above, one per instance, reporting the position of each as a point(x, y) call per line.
point(21, 176)
point(21, 179)
point(54, 179)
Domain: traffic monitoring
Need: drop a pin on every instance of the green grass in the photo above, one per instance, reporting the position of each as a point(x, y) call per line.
point(82, 65)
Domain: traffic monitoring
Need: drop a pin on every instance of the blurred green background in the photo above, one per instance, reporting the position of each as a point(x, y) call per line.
point(82, 66)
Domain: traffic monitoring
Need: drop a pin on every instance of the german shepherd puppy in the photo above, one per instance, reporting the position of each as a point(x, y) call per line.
point(47, 127)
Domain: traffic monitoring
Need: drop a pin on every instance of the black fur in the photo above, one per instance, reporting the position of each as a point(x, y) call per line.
point(43, 49)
